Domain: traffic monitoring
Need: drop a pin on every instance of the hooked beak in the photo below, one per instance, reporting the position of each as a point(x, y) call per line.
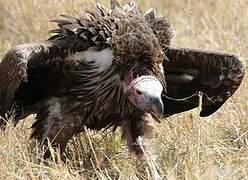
point(157, 106)
point(145, 92)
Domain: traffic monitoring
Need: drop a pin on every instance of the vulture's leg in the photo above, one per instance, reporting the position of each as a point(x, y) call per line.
point(140, 126)
point(139, 133)
point(55, 124)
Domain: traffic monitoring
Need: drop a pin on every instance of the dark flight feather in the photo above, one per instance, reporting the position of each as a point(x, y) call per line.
point(216, 75)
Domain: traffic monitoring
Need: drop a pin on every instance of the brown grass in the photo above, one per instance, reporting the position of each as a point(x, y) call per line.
point(188, 147)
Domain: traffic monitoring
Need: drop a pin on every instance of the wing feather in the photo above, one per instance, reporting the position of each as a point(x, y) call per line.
point(217, 75)
point(13, 68)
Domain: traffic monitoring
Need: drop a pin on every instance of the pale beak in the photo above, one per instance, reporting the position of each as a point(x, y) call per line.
point(157, 106)
point(145, 93)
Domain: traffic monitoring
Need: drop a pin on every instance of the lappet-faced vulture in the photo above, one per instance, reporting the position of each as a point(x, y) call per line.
point(109, 68)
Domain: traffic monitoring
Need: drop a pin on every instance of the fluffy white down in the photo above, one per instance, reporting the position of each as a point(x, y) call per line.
point(102, 59)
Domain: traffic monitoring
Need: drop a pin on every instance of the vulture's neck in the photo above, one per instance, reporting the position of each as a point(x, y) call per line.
point(101, 83)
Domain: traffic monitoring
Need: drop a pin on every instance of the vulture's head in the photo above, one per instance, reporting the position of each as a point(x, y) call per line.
point(139, 58)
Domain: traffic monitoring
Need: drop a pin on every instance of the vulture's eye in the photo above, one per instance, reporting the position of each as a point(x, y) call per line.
point(138, 92)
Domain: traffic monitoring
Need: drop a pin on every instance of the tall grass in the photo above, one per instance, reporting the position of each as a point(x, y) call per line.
point(188, 147)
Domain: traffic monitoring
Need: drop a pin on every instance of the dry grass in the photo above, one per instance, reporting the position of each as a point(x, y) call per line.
point(189, 147)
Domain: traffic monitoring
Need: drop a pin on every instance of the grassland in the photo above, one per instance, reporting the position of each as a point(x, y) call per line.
point(188, 147)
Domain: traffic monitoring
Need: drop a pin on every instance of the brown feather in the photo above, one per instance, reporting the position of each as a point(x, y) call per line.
point(217, 75)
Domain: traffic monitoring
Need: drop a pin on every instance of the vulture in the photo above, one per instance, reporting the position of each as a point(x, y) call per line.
point(108, 68)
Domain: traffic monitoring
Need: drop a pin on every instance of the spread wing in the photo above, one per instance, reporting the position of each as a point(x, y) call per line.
point(216, 75)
